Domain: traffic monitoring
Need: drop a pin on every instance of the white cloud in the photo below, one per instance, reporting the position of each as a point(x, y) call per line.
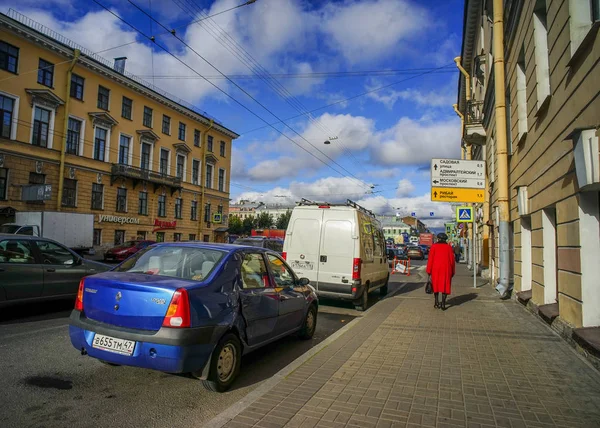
point(381, 173)
point(443, 96)
point(405, 188)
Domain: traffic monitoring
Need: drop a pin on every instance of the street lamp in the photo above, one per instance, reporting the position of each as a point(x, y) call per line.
point(329, 140)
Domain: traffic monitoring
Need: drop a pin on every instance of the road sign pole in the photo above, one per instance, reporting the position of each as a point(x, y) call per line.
point(474, 254)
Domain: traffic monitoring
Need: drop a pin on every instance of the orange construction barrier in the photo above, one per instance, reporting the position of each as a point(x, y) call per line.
point(401, 266)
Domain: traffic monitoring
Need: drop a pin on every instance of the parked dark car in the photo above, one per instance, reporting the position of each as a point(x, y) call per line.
point(415, 252)
point(34, 268)
point(395, 253)
point(125, 250)
point(274, 244)
point(191, 308)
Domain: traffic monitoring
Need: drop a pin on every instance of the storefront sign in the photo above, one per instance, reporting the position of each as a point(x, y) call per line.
point(117, 219)
point(162, 225)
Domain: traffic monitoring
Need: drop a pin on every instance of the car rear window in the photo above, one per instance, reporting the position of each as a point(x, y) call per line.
point(191, 263)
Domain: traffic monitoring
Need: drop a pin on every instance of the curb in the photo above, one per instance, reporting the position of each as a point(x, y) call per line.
point(228, 414)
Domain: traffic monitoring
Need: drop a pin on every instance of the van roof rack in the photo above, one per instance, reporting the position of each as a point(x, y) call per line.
point(348, 203)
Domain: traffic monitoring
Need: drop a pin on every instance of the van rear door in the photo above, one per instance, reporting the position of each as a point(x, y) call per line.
point(302, 242)
point(337, 252)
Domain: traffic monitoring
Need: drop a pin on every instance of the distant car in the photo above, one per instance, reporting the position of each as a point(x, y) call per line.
point(125, 250)
point(274, 244)
point(191, 308)
point(397, 254)
point(34, 269)
point(415, 252)
point(425, 248)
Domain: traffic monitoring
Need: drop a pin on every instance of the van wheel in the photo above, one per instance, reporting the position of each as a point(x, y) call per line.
point(384, 290)
point(363, 303)
point(225, 364)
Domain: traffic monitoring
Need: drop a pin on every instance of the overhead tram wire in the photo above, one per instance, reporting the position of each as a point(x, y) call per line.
point(237, 86)
point(229, 43)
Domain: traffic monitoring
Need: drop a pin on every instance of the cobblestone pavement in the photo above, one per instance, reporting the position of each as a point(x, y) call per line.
point(481, 363)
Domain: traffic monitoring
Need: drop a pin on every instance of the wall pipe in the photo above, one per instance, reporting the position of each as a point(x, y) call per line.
point(203, 181)
point(63, 148)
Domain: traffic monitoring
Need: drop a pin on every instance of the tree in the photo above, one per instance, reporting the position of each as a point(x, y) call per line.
point(264, 220)
point(235, 225)
point(248, 225)
point(283, 220)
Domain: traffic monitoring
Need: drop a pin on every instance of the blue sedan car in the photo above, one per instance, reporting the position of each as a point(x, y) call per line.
point(191, 308)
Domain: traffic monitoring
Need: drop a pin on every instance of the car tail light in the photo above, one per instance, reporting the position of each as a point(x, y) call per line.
point(356, 263)
point(284, 255)
point(324, 206)
point(79, 300)
point(178, 313)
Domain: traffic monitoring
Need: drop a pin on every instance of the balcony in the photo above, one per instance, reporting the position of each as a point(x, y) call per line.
point(138, 175)
point(474, 131)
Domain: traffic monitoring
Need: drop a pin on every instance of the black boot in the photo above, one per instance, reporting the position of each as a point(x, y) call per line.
point(443, 302)
point(437, 300)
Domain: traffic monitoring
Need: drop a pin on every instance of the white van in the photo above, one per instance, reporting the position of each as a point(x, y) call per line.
point(340, 248)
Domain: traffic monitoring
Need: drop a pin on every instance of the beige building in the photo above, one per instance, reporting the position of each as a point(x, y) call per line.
point(143, 162)
point(552, 53)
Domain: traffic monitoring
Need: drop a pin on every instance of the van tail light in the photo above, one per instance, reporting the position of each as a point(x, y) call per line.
point(79, 300)
point(178, 313)
point(284, 255)
point(356, 264)
point(324, 206)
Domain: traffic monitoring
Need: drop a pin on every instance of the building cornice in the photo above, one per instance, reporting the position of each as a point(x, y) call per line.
point(472, 17)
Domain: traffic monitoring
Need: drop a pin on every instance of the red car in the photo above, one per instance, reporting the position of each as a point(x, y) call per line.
point(125, 250)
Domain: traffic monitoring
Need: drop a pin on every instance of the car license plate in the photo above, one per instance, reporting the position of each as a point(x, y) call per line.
point(112, 344)
point(302, 265)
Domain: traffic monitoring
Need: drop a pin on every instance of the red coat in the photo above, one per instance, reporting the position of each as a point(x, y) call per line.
point(441, 266)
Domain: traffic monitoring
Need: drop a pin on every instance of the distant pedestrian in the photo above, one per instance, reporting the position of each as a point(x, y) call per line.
point(457, 251)
point(441, 268)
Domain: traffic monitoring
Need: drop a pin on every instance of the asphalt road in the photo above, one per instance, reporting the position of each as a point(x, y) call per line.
point(45, 382)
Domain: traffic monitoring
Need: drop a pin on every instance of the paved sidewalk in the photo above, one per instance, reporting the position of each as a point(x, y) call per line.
point(481, 363)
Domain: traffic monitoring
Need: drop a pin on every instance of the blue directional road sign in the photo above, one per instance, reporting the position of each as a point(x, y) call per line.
point(413, 214)
point(431, 214)
point(464, 214)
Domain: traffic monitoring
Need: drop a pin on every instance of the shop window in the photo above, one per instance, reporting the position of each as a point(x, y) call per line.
point(97, 236)
point(160, 236)
point(35, 178)
point(119, 237)
point(69, 196)
point(9, 57)
point(127, 108)
point(45, 73)
point(97, 196)
point(121, 200)
point(141, 235)
point(177, 237)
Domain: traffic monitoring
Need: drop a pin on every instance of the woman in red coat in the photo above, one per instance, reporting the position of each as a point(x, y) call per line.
point(441, 268)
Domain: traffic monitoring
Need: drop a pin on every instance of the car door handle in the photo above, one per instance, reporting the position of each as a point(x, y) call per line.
point(50, 270)
point(283, 297)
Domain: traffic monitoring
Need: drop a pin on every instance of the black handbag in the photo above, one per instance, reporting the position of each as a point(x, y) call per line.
point(429, 287)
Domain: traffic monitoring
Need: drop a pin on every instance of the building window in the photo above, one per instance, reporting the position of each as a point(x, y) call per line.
point(162, 206)
point(41, 127)
point(147, 117)
point(35, 178)
point(180, 166)
point(121, 200)
point(143, 203)
point(222, 149)
point(97, 196)
point(206, 238)
point(73, 136)
point(145, 158)
point(100, 143)
point(582, 15)
point(209, 145)
point(192, 237)
point(178, 207)
point(194, 211)
point(521, 96)
point(221, 180)
point(160, 236)
point(207, 212)
point(182, 131)
point(164, 161)
point(220, 209)
point(7, 106)
point(103, 97)
point(177, 237)
point(195, 171)
point(69, 196)
point(166, 125)
point(3, 183)
point(97, 237)
point(196, 138)
point(209, 171)
point(542, 68)
point(119, 237)
point(126, 108)
point(9, 57)
point(45, 73)
point(141, 235)
point(77, 86)
point(124, 145)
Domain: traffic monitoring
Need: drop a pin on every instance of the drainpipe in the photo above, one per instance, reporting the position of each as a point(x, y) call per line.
point(63, 148)
point(462, 130)
point(203, 179)
point(503, 286)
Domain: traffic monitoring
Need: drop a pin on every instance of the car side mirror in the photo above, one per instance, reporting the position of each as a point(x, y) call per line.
point(303, 281)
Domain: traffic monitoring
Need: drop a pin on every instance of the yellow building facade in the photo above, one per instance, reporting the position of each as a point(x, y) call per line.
point(146, 165)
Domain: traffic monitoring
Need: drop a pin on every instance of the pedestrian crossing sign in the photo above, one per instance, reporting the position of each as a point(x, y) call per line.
point(464, 215)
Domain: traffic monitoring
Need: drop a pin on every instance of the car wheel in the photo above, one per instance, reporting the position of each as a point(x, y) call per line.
point(224, 364)
point(363, 303)
point(310, 324)
point(384, 290)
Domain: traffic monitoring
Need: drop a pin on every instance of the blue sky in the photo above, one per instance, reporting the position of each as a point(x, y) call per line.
point(384, 139)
